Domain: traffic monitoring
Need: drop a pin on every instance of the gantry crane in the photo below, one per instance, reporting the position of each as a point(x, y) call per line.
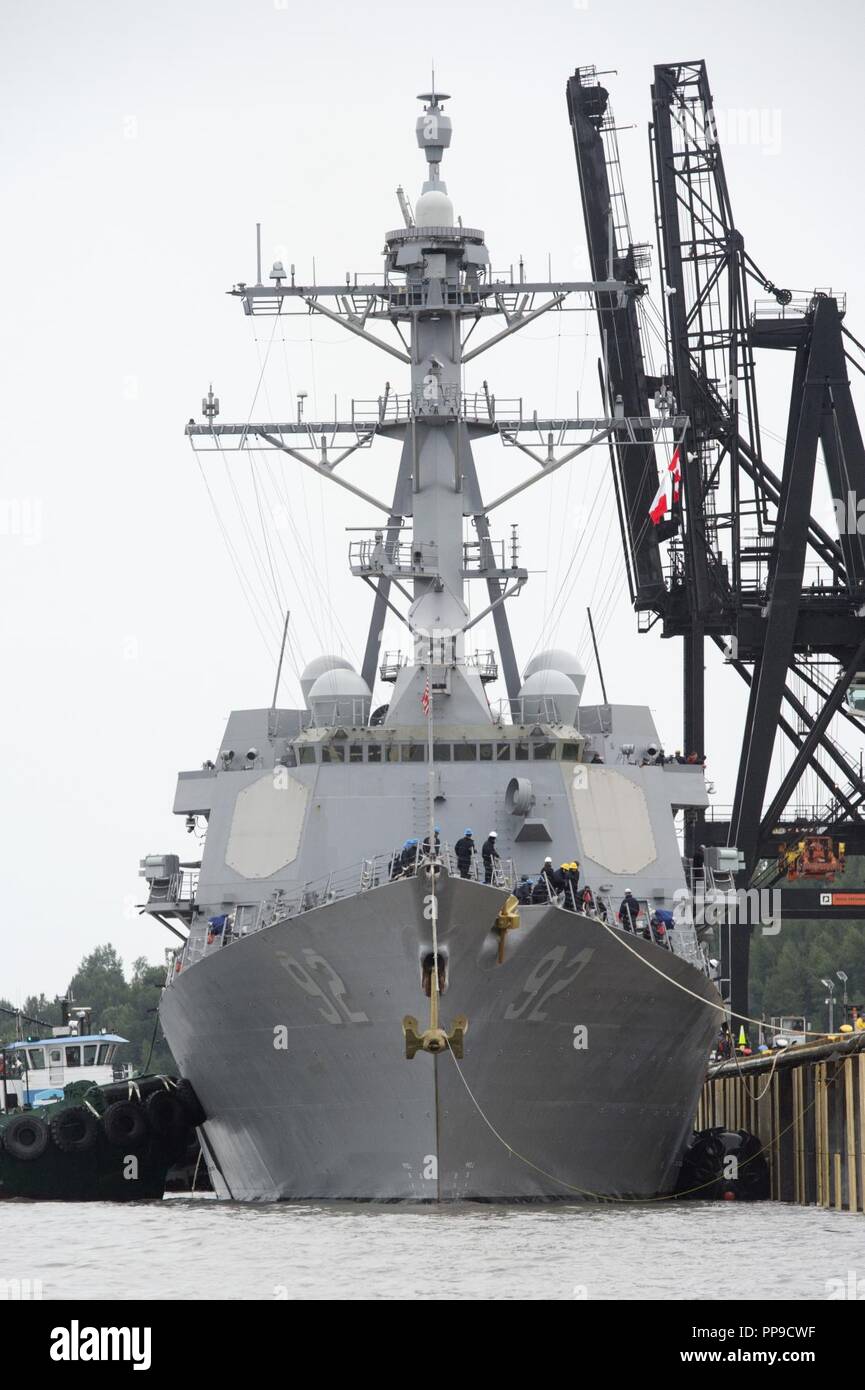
point(739, 559)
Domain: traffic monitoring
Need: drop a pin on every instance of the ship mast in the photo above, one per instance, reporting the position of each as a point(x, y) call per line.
point(437, 289)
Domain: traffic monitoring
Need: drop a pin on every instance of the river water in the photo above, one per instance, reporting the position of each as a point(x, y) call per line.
point(199, 1248)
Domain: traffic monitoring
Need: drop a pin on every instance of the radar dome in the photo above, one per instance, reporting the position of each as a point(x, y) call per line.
point(317, 667)
point(434, 209)
point(340, 696)
point(557, 659)
point(549, 696)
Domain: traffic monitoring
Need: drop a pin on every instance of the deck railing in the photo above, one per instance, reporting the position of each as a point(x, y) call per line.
point(405, 862)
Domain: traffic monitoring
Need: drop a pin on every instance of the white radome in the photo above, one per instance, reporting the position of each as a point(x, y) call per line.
point(557, 659)
point(545, 685)
point(341, 696)
point(434, 209)
point(317, 667)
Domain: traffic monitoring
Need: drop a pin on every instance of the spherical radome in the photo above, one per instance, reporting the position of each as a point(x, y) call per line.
point(549, 693)
point(317, 667)
point(557, 659)
point(340, 681)
point(434, 209)
point(340, 696)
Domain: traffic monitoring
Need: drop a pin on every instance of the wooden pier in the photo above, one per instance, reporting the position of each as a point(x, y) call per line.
point(806, 1104)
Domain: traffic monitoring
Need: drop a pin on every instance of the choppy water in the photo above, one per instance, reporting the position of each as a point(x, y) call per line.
point(198, 1248)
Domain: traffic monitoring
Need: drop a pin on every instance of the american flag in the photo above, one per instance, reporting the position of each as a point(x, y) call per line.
point(425, 699)
point(668, 492)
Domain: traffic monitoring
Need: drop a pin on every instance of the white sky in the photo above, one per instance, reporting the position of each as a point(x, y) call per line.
point(141, 144)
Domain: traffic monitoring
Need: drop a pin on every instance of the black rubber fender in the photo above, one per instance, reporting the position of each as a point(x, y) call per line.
point(74, 1130)
point(164, 1113)
point(124, 1125)
point(136, 1088)
point(192, 1107)
point(26, 1137)
point(702, 1174)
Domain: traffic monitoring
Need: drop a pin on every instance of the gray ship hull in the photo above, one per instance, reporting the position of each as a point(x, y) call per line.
point(581, 1073)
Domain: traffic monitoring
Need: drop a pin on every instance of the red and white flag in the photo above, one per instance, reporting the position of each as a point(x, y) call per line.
point(668, 492)
point(425, 699)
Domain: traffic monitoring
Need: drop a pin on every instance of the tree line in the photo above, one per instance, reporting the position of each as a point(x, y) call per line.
point(126, 1006)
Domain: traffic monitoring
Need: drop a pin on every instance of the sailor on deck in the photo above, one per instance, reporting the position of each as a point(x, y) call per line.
point(490, 855)
point(629, 910)
point(464, 850)
point(546, 888)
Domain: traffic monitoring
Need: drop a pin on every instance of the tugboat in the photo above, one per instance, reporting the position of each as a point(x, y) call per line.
point(393, 983)
point(36, 1071)
point(75, 1128)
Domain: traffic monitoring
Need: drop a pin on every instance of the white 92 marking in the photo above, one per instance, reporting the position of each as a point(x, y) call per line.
point(546, 967)
point(335, 1009)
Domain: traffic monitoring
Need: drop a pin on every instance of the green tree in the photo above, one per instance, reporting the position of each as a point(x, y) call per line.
point(126, 1007)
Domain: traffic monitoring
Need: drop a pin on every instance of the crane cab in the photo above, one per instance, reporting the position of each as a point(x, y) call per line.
point(855, 697)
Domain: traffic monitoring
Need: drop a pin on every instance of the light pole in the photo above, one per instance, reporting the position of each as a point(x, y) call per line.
point(830, 1000)
point(842, 976)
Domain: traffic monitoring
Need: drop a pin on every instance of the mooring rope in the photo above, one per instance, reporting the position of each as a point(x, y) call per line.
point(721, 1008)
point(673, 1196)
point(604, 1197)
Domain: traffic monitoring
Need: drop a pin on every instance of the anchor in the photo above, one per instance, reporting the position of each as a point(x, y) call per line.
point(434, 1039)
point(507, 920)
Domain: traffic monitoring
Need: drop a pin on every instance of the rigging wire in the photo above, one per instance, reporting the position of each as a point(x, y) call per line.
point(324, 533)
point(286, 508)
point(318, 595)
point(246, 589)
point(307, 561)
point(250, 540)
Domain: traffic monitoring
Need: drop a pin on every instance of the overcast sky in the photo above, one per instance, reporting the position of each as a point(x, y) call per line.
point(141, 143)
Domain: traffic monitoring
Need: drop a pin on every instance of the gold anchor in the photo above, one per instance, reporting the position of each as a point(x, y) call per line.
point(434, 1039)
point(507, 920)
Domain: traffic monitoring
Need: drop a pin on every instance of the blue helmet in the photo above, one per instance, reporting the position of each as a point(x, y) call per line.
point(467, 832)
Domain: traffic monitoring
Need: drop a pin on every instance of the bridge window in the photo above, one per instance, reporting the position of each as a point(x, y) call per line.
point(485, 751)
point(89, 1055)
point(355, 753)
point(391, 752)
point(570, 752)
point(36, 1058)
point(373, 753)
point(55, 1057)
point(333, 753)
point(307, 753)
point(503, 752)
point(543, 750)
point(465, 752)
point(521, 752)
point(413, 753)
point(441, 752)
point(103, 1053)
point(73, 1056)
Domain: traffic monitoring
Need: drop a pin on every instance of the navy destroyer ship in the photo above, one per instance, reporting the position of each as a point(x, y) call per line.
point(368, 1005)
